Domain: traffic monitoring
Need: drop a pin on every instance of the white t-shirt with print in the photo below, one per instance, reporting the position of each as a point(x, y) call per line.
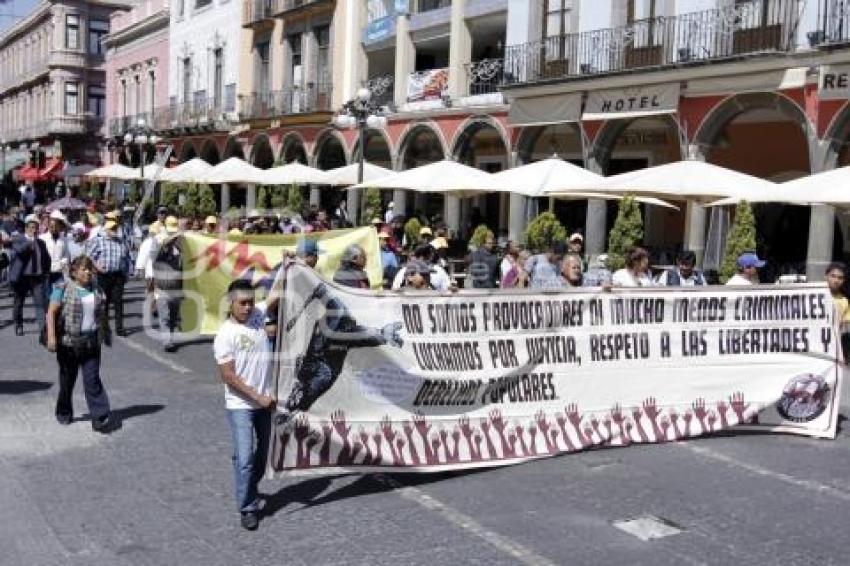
point(248, 346)
point(625, 278)
point(737, 279)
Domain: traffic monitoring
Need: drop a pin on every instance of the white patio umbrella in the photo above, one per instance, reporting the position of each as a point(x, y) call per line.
point(686, 180)
point(444, 177)
point(152, 172)
point(232, 170)
point(347, 175)
point(187, 172)
point(114, 171)
point(293, 174)
point(828, 187)
point(550, 175)
point(610, 196)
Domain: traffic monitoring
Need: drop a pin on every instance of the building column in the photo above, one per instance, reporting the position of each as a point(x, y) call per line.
point(594, 227)
point(250, 197)
point(400, 202)
point(516, 217)
point(315, 196)
point(353, 199)
point(405, 58)
point(451, 211)
point(225, 198)
point(821, 217)
point(460, 51)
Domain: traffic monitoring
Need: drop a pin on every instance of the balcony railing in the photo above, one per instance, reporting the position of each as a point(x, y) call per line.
point(382, 89)
point(833, 24)
point(198, 115)
point(293, 100)
point(744, 28)
point(283, 6)
point(255, 11)
point(428, 5)
point(120, 126)
point(485, 76)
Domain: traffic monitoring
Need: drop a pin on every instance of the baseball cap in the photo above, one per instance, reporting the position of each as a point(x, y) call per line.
point(57, 215)
point(234, 232)
point(162, 210)
point(211, 220)
point(78, 227)
point(31, 218)
point(576, 236)
point(307, 247)
point(377, 220)
point(417, 266)
point(425, 231)
point(171, 225)
point(391, 204)
point(110, 225)
point(382, 234)
point(750, 259)
point(112, 215)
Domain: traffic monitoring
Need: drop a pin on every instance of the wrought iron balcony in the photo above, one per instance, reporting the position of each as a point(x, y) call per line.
point(294, 100)
point(485, 76)
point(121, 125)
point(428, 5)
point(194, 116)
point(833, 24)
point(758, 26)
point(382, 89)
point(257, 11)
point(284, 6)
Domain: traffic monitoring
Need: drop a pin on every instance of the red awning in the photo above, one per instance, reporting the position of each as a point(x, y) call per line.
point(34, 174)
point(28, 173)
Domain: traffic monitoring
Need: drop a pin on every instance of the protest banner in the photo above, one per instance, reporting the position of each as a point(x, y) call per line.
point(425, 382)
point(212, 262)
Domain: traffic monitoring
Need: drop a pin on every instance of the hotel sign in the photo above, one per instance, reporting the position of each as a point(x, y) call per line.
point(631, 102)
point(834, 82)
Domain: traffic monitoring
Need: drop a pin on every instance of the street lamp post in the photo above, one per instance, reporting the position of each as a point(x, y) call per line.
point(143, 136)
point(360, 113)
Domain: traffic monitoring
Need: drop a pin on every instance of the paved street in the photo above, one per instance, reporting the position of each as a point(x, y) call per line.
point(158, 491)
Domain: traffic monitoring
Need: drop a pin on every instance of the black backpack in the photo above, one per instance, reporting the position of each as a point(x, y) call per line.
point(168, 266)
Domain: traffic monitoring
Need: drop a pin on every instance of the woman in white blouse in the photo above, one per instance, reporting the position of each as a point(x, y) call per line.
point(636, 272)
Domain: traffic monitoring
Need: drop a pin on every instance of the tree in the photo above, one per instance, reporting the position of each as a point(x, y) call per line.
point(626, 233)
point(411, 231)
point(295, 200)
point(170, 197)
point(191, 201)
point(206, 201)
point(94, 191)
point(742, 238)
point(373, 203)
point(278, 197)
point(544, 230)
point(480, 234)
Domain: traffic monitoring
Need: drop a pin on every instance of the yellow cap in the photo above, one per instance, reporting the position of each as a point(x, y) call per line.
point(113, 215)
point(171, 225)
point(235, 232)
point(110, 225)
point(439, 243)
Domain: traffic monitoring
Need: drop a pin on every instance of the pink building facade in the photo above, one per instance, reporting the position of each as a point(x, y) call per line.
point(136, 73)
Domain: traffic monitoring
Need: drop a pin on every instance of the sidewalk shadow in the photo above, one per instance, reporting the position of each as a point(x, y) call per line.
point(307, 492)
point(21, 386)
point(118, 416)
point(194, 342)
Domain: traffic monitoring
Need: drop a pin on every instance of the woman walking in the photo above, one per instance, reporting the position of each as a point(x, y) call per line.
point(76, 327)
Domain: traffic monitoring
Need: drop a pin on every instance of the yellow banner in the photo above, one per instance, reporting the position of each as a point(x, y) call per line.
point(211, 263)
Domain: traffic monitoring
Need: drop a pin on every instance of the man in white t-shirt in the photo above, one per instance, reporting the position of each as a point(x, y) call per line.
point(243, 354)
point(748, 265)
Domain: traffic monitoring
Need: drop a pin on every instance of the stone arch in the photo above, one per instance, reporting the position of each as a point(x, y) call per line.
point(603, 146)
point(262, 155)
point(209, 152)
point(419, 132)
point(530, 137)
point(293, 147)
point(233, 148)
point(472, 126)
point(330, 150)
point(838, 139)
point(382, 153)
point(187, 152)
point(734, 105)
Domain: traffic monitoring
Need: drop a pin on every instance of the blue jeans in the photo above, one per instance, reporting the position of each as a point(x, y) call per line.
point(70, 364)
point(249, 458)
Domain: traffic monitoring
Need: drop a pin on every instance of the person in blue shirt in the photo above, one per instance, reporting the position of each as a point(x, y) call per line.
point(389, 260)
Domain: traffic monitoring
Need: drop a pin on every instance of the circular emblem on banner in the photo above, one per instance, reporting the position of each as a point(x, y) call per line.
point(804, 398)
